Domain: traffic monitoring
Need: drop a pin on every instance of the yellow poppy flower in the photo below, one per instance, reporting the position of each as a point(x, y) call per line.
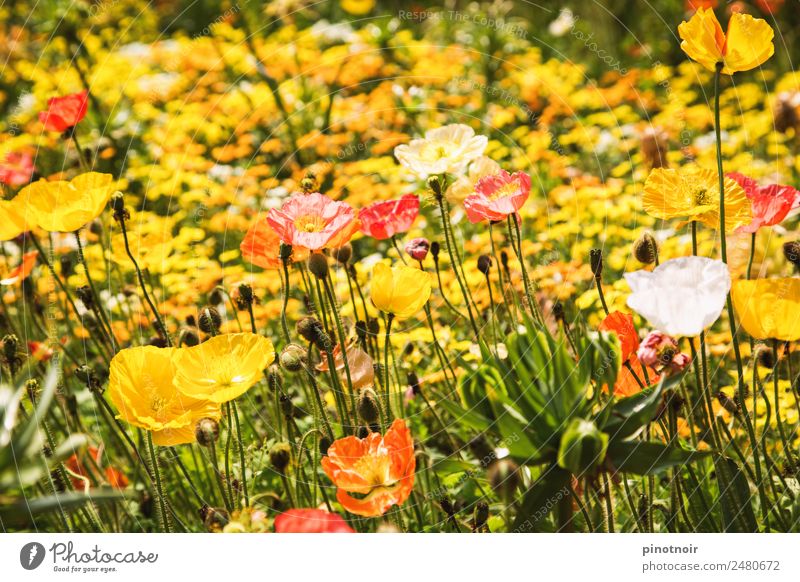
point(141, 387)
point(769, 308)
point(746, 44)
point(224, 367)
point(12, 223)
point(357, 7)
point(63, 206)
point(401, 290)
point(692, 193)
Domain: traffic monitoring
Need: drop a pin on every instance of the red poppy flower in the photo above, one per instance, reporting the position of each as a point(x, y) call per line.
point(64, 112)
point(16, 169)
point(379, 469)
point(313, 221)
point(311, 521)
point(385, 219)
point(497, 196)
point(115, 478)
point(770, 204)
point(627, 384)
point(261, 247)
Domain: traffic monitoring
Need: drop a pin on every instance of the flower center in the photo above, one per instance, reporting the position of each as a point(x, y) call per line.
point(374, 469)
point(701, 198)
point(158, 405)
point(310, 223)
point(503, 191)
point(435, 151)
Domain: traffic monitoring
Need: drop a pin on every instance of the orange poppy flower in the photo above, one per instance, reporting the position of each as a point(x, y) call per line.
point(262, 245)
point(627, 385)
point(21, 271)
point(379, 469)
point(621, 324)
point(115, 478)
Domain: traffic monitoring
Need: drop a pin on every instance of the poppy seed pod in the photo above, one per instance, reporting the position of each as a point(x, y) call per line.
point(596, 262)
point(368, 409)
point(206, 431)
point(292, 358)
point(645, 249)
point(280, 455)
point(485, 264)
point(209, 320)
point(343, 254)
point(318, 265)
point(791, 250)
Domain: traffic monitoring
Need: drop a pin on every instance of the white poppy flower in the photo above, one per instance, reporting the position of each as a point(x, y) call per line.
point(681, 297)
point(445, 149)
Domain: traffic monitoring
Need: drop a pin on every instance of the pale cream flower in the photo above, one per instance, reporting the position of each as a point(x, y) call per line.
point(448, 149)
point(465, 185)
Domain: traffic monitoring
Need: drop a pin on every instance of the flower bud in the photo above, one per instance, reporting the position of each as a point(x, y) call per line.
point(791, 250)
point(216, 297)
point(435, 185)
point(246, 297)
point(118, 204)
point(308, 328)
point(324, 445)
point(596, 262)
point(308, 183)
point(284, 252)
point(504, 478)
point(67, 265)
point(583, 447)
point(318, 265)
point(206, 431)
point(558, 311)
point(481, 515)
point(188, 337)
point(504, 260)
point(10, 346)
point(368, 409)
point(435, 248)
point(323, 341)
point(373, 326)
point(645, 249)
point(418, 248)
point(292, 358)
point(87, 375)
point(343, 254)
point(287, 407)
point(209, 320)
point(485, 264)
point(85, 296)
point(765, 356)
point(274, 377)
point(280, 455)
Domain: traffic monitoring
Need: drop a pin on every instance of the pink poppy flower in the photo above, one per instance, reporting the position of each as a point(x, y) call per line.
point(770, 204)
point(313, 221)
point(311, 521)
point(497, 196)
point(661, 350)
point(385, 219)
point(418, 248)
point(16, 169)
point(64, 112)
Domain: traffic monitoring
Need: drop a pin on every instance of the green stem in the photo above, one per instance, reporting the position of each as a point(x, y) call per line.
point(164, 521)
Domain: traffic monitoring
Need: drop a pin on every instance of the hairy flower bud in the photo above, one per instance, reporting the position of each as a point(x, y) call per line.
point(435, 248)
point(206, 431)
point(368, 409)
point(485, 264)
point(343, 254)
point(645, 249)
point(209, 320)
point(188, 337)
point(292, 358)
point(280, 455)
point(318, 265)
point(596, 262)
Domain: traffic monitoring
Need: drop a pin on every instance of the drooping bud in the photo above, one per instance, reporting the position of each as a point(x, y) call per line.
point(209, 320)
point(85, 296)
point(188, 337)
point(765, 356)
point(308, 328)
point(318, 265)
point(583, 447)
point(596, 262)
point(645, 249)
point(292, 358)
point(343, 254)
point(216, 297)
point(206, 431)
point(280, 455)
point(485, 264)
point(324, 445)
point(435, 248)
point(418, 248)
point(368, 409)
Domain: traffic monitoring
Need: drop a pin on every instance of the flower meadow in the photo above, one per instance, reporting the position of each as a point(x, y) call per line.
point(348, 267)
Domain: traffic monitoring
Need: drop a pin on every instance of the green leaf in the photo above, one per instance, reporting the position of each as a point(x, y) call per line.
point(735, 498)
point(541, 499)
point(648, 458)
point(628, 415)
point(467, 417)
point(23, 511)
